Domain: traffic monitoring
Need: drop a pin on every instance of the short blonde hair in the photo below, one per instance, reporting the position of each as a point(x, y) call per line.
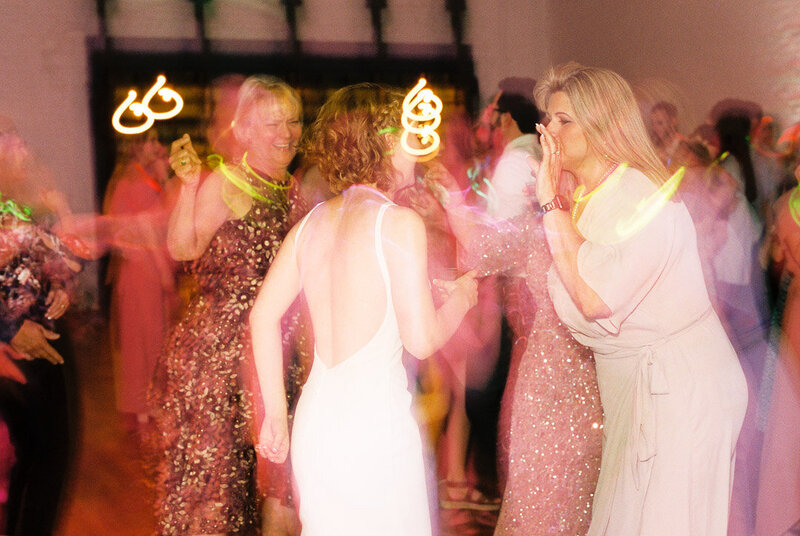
point(606, 110)
point(259, 89)
point(352, 139)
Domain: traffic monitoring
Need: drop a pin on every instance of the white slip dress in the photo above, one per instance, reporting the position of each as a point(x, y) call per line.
point(356, 450)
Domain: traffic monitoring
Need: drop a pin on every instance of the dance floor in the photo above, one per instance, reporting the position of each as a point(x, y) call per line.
point(111, 492)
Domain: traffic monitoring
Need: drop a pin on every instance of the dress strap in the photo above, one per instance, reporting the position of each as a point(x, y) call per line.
point(379, 251)
point(300, 229)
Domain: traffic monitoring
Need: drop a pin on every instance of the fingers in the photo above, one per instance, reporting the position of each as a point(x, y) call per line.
point(51, 335)
point(57, 302)
point(183, 158)
point(49, 353)
point(31, 342)
point(8, 369)
point(273, 441)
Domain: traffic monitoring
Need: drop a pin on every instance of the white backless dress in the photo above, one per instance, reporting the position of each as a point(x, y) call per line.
point(356, 450)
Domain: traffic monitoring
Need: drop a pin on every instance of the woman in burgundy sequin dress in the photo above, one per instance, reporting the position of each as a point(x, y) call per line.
point(230, 226)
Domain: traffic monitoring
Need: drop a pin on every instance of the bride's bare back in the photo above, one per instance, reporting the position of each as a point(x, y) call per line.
point(340, 273)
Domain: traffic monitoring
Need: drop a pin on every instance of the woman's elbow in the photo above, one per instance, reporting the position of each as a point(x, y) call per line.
point(594, 309)
point(421, 349)
point(180, 252)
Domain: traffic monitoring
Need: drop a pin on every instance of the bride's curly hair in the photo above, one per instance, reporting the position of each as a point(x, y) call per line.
point(354, 135)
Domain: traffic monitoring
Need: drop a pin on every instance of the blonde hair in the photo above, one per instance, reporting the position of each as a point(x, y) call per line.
point(260, 89)
point(608, 114)
point(352, 139)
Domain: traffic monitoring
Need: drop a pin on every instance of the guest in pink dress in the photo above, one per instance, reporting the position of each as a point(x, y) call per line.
point(778, 510)
point(140, 271)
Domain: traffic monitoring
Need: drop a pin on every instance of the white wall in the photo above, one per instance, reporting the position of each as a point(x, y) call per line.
point(702, 50)
point(44, 87)
point(705, 50)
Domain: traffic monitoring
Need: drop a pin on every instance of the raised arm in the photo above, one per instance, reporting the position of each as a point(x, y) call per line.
point(279, 290)
point(487, 245)
point(200, 208)
point(563, 239)
point(423, 328)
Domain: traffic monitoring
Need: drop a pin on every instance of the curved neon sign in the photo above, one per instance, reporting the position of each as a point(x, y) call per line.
point(422, 114)
point(141, 109)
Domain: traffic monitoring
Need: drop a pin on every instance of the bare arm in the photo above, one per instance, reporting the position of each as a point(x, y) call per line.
point(563, 239)
point(199, 210)
point(423, 328)
point(279, 290)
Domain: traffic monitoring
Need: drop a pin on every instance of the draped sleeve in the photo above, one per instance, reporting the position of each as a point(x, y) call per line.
point(626, 248)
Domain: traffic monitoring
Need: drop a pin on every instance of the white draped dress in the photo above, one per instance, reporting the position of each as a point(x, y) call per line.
point(672, 389)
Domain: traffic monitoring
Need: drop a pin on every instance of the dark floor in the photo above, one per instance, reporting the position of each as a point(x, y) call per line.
point(111, 493)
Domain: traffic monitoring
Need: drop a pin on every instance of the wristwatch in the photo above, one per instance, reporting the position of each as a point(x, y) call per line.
point(558, 202)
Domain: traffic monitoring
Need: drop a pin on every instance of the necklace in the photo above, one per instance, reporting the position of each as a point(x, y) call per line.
point(246, 179)
point(20, 212)
point(794, 204)
point(580, 199)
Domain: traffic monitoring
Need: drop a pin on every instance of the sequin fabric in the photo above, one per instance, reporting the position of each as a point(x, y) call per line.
point(201, 398)
point(550, 429)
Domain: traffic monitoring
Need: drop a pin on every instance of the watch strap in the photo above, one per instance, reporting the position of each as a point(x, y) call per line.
point(558, 202)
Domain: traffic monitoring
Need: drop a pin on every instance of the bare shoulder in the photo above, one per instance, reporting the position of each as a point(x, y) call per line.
point(211, 203)
point(403, 223)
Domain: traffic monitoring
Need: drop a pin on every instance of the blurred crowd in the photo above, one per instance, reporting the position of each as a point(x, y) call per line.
point(482, 253)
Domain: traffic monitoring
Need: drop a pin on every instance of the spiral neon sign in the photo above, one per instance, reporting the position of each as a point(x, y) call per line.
point(422, 114)
point(142, 109)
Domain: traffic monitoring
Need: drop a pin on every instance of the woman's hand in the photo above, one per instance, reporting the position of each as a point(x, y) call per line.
point(273, 441)
point(548, 172)
point(7, 367)
point(31, 342)
point(57, 302)
point(465, 286)
point(184, 160)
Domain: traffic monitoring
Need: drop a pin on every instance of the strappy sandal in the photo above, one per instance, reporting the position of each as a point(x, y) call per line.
point(463, 496)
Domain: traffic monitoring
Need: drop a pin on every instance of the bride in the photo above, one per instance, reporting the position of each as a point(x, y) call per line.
point(360, 261)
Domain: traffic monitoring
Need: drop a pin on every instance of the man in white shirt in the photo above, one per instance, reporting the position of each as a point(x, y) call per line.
point(513, 117)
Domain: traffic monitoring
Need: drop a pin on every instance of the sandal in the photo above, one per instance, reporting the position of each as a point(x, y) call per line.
point(463, 496)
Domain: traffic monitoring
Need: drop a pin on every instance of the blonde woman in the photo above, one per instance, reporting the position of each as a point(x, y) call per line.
point(228, 226)
point(627, 280)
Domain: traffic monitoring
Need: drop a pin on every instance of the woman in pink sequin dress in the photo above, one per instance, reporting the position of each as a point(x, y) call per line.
point(550, 429)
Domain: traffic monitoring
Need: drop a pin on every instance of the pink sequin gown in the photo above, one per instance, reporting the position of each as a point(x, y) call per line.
point(551, 419)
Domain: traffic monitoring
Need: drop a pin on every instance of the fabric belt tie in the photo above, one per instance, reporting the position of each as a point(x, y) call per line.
point(650, 380)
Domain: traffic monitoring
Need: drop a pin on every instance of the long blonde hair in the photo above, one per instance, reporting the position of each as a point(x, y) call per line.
point(606, 110)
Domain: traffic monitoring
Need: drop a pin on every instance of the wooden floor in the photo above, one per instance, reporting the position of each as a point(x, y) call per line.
point(110, 493)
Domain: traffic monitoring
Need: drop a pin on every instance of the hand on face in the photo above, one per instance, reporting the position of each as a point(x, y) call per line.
point(548, 172)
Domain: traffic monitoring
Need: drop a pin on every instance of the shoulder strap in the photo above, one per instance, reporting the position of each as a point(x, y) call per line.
point(300, 227)
point(379, 250)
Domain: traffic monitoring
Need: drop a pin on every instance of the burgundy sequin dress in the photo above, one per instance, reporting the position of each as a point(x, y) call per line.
point(201, 395)
point(550, 429)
